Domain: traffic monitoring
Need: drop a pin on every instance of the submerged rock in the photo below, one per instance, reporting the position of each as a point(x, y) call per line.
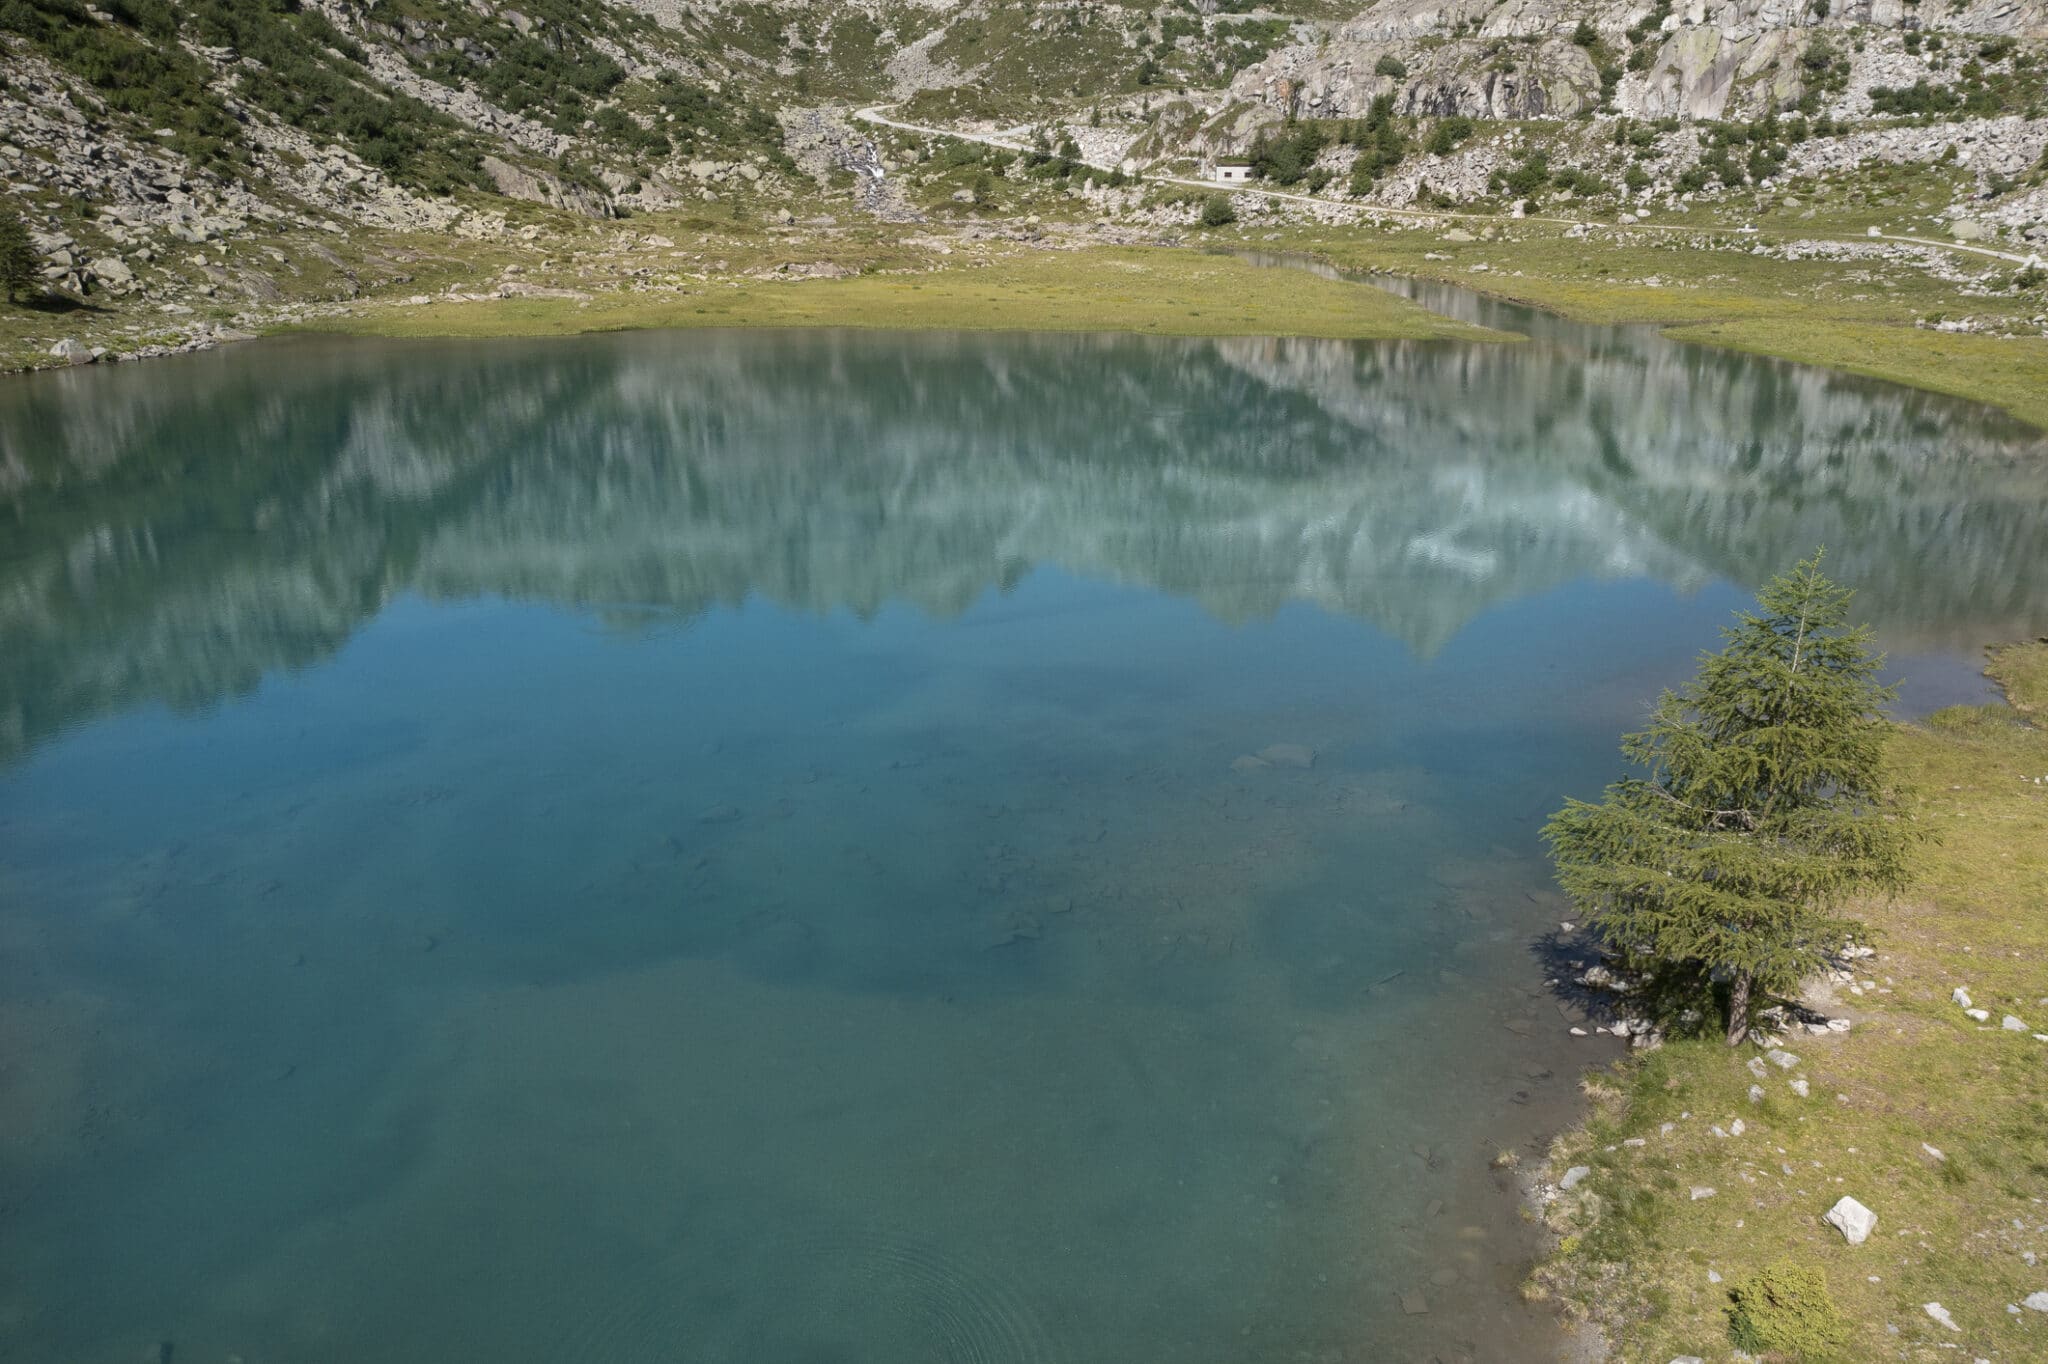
point(1289, 755)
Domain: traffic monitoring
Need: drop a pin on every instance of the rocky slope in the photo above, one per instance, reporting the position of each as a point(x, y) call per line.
point(179, 154)
point(1839, 85)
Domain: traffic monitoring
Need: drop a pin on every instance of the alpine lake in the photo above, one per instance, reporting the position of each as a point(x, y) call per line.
point(863, 848)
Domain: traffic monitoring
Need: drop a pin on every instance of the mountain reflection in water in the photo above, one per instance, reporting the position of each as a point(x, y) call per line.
point(175, 531)
point(1134, 950)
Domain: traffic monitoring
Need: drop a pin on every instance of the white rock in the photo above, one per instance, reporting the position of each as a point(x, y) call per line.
point(1852, 1219)
point(1756, 1094)
point(2011, 1024)
point(1756, 1067)
point(1700, 1191)
point(1801, 1088)
point(2036, 1301)
point(1934, 1151)
point(72, 352)
point(1961, 996)
point(1573, 1176)
point(1735, 1128)
point(1783, 1060)
point(1940, 1314)
point(1981, 1015)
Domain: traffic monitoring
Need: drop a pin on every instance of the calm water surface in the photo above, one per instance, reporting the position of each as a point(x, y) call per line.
point(753, 847)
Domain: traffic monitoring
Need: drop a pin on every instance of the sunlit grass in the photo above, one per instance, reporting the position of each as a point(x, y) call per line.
point(1165, 292)
point(1915, 1072)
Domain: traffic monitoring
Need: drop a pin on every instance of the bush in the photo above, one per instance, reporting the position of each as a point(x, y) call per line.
point(1785, 1309)
point(1585, 35)
point(1390, 65)
point(1449, 133)
point(20, 265)
point(1382, 144)
point(1286, 159)
point(1218, 211)
point(1529, 177)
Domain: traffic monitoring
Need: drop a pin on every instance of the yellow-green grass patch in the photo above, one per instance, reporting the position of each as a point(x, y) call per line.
point(1915, 1073)
point(1164, 292)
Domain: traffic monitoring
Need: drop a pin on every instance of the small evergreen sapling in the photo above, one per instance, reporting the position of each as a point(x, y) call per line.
point(1764, 806)
point(20, 265)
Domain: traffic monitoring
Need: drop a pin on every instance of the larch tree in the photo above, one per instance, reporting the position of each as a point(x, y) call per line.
point(1762, 808)
point(20, 265)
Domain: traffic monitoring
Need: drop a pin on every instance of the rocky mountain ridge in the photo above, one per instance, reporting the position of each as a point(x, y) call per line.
point(183, 153)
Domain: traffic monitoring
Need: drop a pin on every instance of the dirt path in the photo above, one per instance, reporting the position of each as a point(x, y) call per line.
point(874, 114)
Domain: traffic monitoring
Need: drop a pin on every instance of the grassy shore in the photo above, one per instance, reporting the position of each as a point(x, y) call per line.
point(1865, 317)
point(1871, 318)
point(1916, 1076)
point(1150, 290)
point(1870, 315)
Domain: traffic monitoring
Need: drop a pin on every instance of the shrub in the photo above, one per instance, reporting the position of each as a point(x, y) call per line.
point(1784, 1308)
point(1389, 65)
point(20, 266)
point(1285, 159)
point(1381, 145)
point(1449, 133)
point(1585, 35)
point(1529, 177)
point(1218, 211)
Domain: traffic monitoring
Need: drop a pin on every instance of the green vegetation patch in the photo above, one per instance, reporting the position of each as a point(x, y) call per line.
point(1935, 1121)
point(1166, 292)
point(1784, 1310)
point(1814, 311)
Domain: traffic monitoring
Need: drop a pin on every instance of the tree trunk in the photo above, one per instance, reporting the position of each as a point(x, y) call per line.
point(1738, 1008)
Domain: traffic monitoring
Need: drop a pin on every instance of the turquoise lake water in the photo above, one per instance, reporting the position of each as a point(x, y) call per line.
point(753, 847)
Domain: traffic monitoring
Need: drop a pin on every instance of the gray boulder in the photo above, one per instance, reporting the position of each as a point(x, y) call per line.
point(1852, 1219)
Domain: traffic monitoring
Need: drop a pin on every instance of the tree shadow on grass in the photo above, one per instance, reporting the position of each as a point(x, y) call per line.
point(54, 303)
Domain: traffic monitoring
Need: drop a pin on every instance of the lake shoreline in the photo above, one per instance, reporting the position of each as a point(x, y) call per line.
point(1669, 1200)
point(1794, 310)
point(1371, 435)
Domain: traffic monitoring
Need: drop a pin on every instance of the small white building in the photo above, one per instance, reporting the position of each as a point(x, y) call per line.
point(1231, 172)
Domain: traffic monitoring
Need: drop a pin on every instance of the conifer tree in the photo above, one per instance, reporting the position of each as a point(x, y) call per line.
point(20, 266)
point(1764, 807)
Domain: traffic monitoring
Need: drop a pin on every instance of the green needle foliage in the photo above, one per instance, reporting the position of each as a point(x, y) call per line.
point(1785, 1311)
point(20, 266)
point(1765, 807)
